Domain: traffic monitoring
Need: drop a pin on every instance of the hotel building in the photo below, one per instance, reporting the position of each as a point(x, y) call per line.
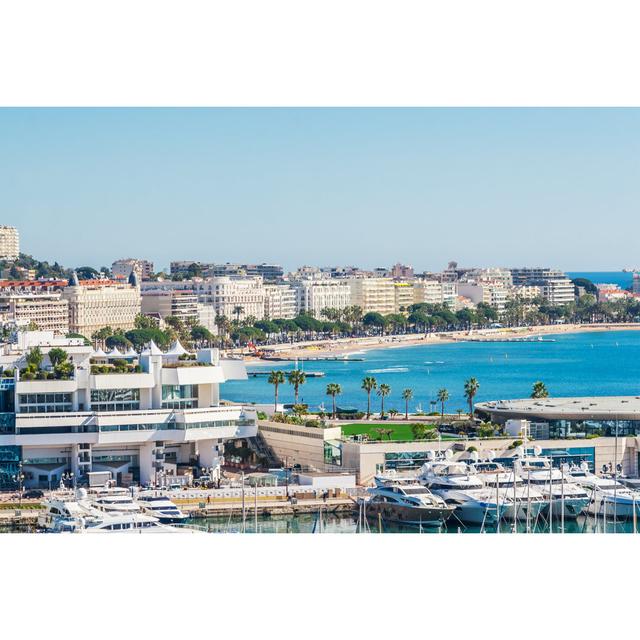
point(404, 296)
point(435, 292)
point(314, 295)
point(94, 304)
point(160, 419)
point(491, 293)
point(9, 243)
point(182, 304)
point(554, 285)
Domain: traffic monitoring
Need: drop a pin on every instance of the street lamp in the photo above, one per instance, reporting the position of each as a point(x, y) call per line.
point(19, 478)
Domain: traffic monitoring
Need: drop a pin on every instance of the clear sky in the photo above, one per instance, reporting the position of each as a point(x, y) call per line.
point(500, 187)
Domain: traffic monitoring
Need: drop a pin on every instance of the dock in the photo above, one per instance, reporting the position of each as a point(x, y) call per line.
point(308, 374)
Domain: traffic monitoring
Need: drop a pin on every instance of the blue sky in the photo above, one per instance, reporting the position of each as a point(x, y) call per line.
point(501, 187)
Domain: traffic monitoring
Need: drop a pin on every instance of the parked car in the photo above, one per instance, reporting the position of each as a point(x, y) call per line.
point(33, 493)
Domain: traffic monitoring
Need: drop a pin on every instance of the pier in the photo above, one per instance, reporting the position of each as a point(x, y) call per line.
point(308, 374)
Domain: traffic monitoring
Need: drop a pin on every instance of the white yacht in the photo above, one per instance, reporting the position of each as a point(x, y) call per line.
point(155, 504)
point(564, 496)
point(460, 487)
point(407, 503)
point(526, 501)
point(609, 497)
point(114, 500)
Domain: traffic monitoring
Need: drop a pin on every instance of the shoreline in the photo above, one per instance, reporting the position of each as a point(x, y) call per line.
point(344, 347)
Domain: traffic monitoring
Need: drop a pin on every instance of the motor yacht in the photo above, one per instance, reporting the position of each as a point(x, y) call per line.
point(114, 500)
point(565, 498)
point(609, 497)
point(527, 503)
point(155, 504)
point(460, 487)
point(64, 511)
point(407, 503)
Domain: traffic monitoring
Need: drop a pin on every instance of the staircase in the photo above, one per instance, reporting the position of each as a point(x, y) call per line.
point(259, 446)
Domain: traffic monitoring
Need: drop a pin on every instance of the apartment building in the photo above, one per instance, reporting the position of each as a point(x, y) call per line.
point(402, 272)
point(554, 285)
point(162, 418)
point(314, 295)
point(9, 243)
point(373, 294)
point(279, 301)
point(94, 304)
point(124, 267)
point(404, 296)
point(47, 311)
point(270, 273)
point(182, 304)
point(495, 275)
point(435, 292)
point(491, 293)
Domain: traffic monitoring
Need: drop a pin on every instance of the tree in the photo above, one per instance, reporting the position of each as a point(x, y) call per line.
point(34, 358)
point(369, 384)
point(486, 430)
point(407, 395)
point(333, 390)
point(373, 319)
point(418, 430)
point(145, 322)
point(276, 378)
point(238, 310)
point(383, 391)
point(471, 387)
point(539, 390)
point(201, 335)
point(443, 396)
point(57, 356)
point(296, 378)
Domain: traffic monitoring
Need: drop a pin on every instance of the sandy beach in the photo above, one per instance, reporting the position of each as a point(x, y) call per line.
point(351, 346)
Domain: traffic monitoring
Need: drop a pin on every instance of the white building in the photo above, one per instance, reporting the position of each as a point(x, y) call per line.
point(280, 301)
point(182, 304)
point(435, 292)
point(314, 295)
point(161, 418)
point(491, 293)
point(47, 310)
point(9, 243)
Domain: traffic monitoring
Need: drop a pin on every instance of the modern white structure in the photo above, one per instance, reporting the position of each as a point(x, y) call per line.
point(554, 285)
point(9, 243)
point(161, 418)
point(491, 293)
point(181, 304)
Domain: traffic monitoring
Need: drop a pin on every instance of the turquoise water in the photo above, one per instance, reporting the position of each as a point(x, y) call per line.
point(596, 363)
point(624, 280)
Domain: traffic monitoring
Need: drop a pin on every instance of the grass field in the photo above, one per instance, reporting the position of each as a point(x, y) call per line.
point(400, 431)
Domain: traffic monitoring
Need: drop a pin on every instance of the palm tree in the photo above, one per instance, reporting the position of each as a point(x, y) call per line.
point(369, 384)
point(276, 378)
point(383, 391)
point(296, 378)
point(471, 387)
point(407, 395)
point(333, 390)
point(443, 396)
point(238, 310)
point(539, 390)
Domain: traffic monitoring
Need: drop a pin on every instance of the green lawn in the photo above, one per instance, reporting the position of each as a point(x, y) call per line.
point(400, 431)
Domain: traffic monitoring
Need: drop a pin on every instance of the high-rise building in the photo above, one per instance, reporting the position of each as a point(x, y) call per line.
point(404, 296)
point(94, 304)
point(182, 304)
point(435, 292)
point(123, 268)
point(491, 293)
point(9, 243)
point(554, 285)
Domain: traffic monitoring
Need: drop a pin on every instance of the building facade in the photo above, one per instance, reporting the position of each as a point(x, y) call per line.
point(280, 301)
point(124, 267)
point(94, 304)
point(435, 292)
point(373, 295)
point(9, 243)
point(314, 295)
point(182, 304)
point(162, 418)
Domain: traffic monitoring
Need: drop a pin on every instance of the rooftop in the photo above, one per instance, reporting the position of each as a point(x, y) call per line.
point(562, 408)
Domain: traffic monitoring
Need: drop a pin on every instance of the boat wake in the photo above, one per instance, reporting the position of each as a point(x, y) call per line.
point(389, 370)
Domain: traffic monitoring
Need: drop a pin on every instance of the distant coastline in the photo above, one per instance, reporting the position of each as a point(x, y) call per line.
point(343, 347)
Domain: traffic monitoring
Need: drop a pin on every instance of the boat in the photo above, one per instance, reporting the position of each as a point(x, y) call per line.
point(75, 513)
point(158, 505)
point(565, 498)
point(407, 503)
point(460, 487)
point(114, 500)
point(527, 503)
point(609, 497)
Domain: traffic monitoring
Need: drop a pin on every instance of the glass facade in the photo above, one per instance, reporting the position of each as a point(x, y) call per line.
point(591, 427)
point(45, 402)
point(175, 396)
point(9, 465)
point(405, 460)
point(115, 399)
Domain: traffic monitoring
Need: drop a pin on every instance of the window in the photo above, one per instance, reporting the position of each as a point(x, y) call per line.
point(176, 396)
point(45, 402)
point(115, 399)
